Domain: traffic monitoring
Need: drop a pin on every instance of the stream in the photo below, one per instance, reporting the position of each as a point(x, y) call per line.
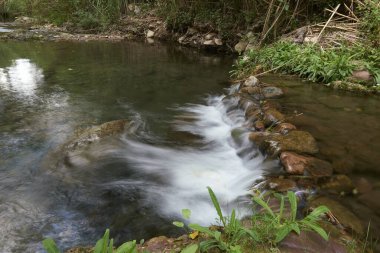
point(183, 139)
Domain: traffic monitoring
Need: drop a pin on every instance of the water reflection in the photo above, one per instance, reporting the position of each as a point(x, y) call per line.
point(22, 77)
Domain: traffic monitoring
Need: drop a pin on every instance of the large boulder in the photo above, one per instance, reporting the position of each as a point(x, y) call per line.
point(300, 165)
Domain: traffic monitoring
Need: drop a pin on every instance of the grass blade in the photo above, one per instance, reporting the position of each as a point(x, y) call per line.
point(263, 204)
point(193, 248)
point(216, 205)
point(293, 204)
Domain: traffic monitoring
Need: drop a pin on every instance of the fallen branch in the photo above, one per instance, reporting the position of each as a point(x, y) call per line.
point(328, 21)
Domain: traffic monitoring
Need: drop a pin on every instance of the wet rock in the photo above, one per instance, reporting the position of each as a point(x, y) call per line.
point(251, 90)
point(80, 250)
point(294, 164)
point(296, 141)
point(251, 81)
point(284, 128)
point(371, 200)
point(343, 166)
point(162, 244)
point(338, 184)
point(258, 137)
point(310, 242)
point(363, 186)
point(273, 117)
point(95, 133)
point(259, 125)
point(281, 184)
point(298, 164)
point(241, 46)
point(344, 216)
point(272, 92)
point(150, 34)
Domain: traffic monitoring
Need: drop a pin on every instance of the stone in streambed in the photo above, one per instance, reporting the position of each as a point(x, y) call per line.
point(272, 92)
point(343, 215)
point(241, 46)
point(371, 200)
point(284, 128)
point(98, 132)
point(338, 184)
point(251, 81)
point(281, 184)
point(273, 117)
point(311, 242)
point(296, 141)
point(259, 125)
point(251, 90)
point(299, 165)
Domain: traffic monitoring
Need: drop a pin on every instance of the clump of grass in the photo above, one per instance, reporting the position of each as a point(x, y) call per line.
point(310, 61)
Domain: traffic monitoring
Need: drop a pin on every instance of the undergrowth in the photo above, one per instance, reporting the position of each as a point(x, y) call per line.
point(310, 61)
point(268, 228)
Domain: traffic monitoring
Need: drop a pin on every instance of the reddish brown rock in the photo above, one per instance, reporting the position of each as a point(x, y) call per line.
point(284, 128)
point(299, 165)
point(293, 163)
point(371, 200)
point(251, 90)
point(343, 166)
point(259, 125)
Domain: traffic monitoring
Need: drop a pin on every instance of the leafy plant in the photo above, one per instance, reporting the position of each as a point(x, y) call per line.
point(268, 227)
point(104, 245)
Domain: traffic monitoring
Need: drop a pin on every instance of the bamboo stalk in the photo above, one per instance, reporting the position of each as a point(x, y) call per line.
point(328, 21)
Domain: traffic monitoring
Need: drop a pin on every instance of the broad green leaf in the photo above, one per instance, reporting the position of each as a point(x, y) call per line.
point(110, 247)
point(50, 246)
point(216, 205)
point(233, 217)
point(102, 244)
point(293, 204)
point(217, 235)
point(316, 213)
point(252, 234)
point(296, 228)
point(186, 213)
point(178, 224)
point(319, 230)
point(128, 247)
point(193, 248)
point(263, 204)
point(282, 233)
point(281, 208)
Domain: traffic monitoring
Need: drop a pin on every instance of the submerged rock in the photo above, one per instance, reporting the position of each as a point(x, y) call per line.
point(272, 92)
point(342, 214)
point(338, 184)
point(95, 133)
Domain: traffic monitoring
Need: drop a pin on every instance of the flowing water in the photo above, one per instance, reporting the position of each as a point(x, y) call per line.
point(183, 138)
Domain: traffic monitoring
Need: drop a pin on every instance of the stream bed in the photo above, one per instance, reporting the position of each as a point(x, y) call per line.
point(180, 142)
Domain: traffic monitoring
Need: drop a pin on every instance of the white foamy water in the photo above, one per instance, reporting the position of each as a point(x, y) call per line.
point(188, 171)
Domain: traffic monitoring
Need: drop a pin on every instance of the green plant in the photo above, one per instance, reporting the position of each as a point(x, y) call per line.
point(370, 20)
point(104, 245)
point(276, 226)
